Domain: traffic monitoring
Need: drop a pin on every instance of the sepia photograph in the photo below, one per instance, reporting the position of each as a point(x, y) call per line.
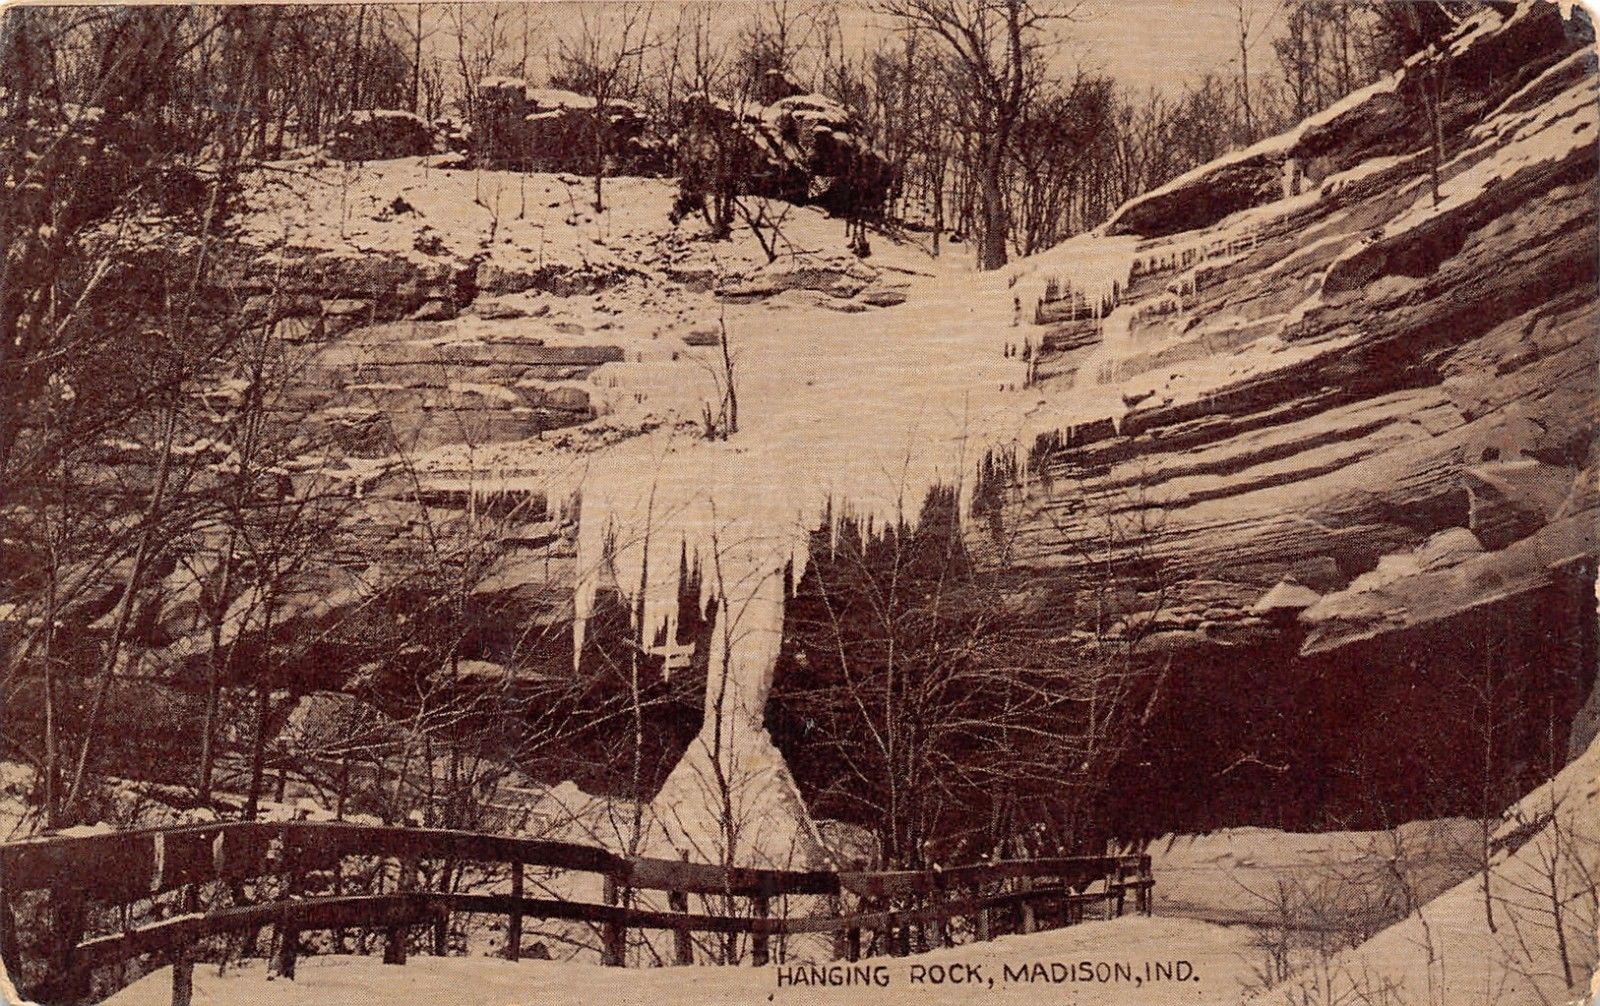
point(1085, 502)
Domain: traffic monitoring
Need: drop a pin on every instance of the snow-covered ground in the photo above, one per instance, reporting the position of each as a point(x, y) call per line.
point(1214, 971)
point(1542, 948)
point(412, 208)
point(1242, 874)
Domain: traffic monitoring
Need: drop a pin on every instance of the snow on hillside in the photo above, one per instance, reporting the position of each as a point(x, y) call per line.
point(1543, 947)
point(414, 208)
point(1243, 874)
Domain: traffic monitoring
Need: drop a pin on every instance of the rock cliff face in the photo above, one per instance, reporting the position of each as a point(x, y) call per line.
point(1357, 419)
point(455, 346)
point(427, 307)
point(1351, 417)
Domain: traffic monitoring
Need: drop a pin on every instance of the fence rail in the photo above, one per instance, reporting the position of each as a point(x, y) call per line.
point(122, 868)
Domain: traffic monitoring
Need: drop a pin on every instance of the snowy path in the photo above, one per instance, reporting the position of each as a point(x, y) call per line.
point(1218, 956)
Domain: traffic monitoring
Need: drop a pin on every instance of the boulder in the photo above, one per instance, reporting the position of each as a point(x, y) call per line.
point(503, 277)
point(392, 286)
point(880, 295)
point(803, 148)
point(296, 330)
point(434, 310)
point(839, 278)
point(341, 307)
point(379, 134)
point(498, 310)
point(1288, 595)
point(1445, 579)
point(1509, 500)
point(523, 128)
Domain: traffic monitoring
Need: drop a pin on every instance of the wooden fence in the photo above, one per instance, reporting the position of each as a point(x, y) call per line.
point(897, 909)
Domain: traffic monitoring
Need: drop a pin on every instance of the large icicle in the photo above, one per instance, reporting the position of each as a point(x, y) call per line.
point(866, 413)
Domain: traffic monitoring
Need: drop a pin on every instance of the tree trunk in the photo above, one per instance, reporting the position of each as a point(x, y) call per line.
point(416, 62)
point(208, 748)
point(360, 53)
point(208, 726)
point(599, 153)
point(52, 750)
point(134, 583)
point(258, 739)
point(992, 250)
point(258, 748)
point(1244, 81)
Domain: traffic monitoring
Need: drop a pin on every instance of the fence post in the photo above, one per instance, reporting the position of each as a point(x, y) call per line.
point(66, 922)
point(613, 934)
point(441, 921)
point(853, 943)
point(682, 940)
point(1030, 922)
point(760, 947)
point(394, 943)
point(1122, 889)
point(841, 945)
point(882, 934)
point(1147, 884)
point(985, 925)
point(340, 936)
point(8, 932)
point(182, 980)
point(1111, 882)
point(288, 935)
point(182, 961)
point(441, 933)
point(514, 927)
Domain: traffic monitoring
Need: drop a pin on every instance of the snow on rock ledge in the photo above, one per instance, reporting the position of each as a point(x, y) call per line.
point(1374, 121)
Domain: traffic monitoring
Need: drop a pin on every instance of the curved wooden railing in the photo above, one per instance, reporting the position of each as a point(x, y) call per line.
point(126, 868)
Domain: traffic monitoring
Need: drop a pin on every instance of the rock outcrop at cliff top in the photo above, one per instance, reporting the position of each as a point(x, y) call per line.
point(1389, 118)
point(1383, 400)
point(525, 128)
point(803, 148)
point(379, 134)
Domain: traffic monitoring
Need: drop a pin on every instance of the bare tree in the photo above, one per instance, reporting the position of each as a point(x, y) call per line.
point(71, 296)
point(996, 43)
point(415, 29)
point(952, 723)
point(1245, 21)
point(1551, 890)
point(604, 60)
point(481, 33)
